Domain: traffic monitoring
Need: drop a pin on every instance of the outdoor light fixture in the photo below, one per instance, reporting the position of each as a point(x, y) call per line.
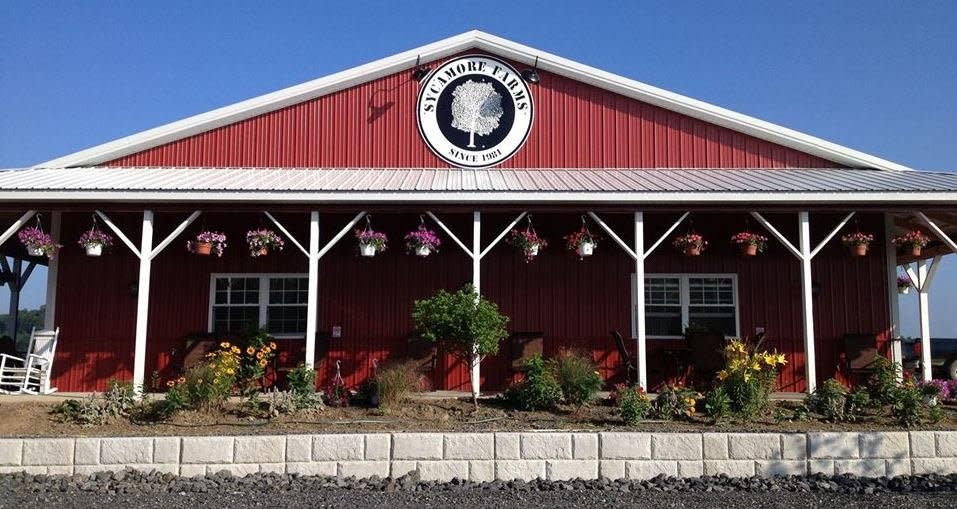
point(420, 72)
point(531, 75)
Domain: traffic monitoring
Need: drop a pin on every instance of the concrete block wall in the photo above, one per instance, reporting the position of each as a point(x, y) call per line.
point(489, 456)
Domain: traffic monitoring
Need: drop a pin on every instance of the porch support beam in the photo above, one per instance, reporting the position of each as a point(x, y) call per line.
point(831, 235)
point(938, 232)
point(119, 233)
point(778, 235)
point(476, 367)
point(449, 233)
point(664, 236)
point(893, 304)
point(142, 299)
point(175, 233)
point(342, 233)
point(640, 328)
point(611, 233)
point(16, 225)
point(53, 269)
point(502, 235)
point(312, 295)
point(286, 233)
point(807, 307)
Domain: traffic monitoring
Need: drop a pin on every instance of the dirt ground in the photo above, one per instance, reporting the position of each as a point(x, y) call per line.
point(31, 419)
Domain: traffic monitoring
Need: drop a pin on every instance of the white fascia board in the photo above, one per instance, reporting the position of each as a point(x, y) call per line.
point(492, 44)
point(365, 198)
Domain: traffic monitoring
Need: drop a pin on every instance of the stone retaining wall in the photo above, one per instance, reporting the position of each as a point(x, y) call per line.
point(488, 456)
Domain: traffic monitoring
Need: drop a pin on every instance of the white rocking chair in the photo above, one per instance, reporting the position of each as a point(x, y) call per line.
point(30, 375)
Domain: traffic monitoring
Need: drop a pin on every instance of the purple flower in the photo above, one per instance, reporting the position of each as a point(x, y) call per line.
point(261, 239)
point(423, 237)
point(95, 237)
point(372, 238)
point(34, 239)
point(217, 239)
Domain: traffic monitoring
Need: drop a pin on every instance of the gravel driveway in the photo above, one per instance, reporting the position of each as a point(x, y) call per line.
point(134, 489)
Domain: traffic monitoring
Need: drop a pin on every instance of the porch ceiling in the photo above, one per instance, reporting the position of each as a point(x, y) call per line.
point(835, 185)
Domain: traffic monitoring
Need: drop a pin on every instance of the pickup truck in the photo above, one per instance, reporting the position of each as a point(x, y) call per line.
point(943, 356)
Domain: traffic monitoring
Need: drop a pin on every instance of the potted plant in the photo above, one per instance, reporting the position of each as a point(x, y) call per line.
point(903, 284)
point(37, 242)
point(930, 391)
point(261, 240)
point(371, 241)
point(528, 241)
point(93, 241)
point(206, 242)
point(690, 243)
point(582, 242)
point(913, 240)
point(422, 241)
point(750, 243)
point(857, 242)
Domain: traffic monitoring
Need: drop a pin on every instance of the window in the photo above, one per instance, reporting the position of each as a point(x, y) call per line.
point(276, 302)
point(672, 301)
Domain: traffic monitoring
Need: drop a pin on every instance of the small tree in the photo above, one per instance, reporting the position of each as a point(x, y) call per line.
point(468, 325)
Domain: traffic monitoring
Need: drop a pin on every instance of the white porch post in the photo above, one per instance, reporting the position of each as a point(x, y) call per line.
point(807, 307)
point(893, 305)
point(142, 302)
point(49, 317)
point(925, 275)
point(640, 300)
point(476, 366)
point(312, 304)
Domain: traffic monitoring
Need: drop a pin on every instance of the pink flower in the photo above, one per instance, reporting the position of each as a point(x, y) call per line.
point(422, 237)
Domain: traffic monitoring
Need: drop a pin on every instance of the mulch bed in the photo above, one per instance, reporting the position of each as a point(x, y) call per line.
point(32, 419)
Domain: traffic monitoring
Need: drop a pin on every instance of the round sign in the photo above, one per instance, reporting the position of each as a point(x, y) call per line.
point(474, 111)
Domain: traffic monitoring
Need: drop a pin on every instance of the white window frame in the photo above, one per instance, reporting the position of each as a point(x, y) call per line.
point(685, 298)
point(264, 278)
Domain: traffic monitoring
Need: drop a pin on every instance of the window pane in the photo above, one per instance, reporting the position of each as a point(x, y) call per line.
point(235, 319)
point(718, 291)
point(288, 290)
point(720, 318)
point(662, 291)
point(286, 319)
point(663, 320)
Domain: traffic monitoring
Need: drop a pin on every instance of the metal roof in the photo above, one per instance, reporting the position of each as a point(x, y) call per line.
point(134, 183)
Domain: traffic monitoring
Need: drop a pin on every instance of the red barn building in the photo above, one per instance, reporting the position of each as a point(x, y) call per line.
point(473, 136)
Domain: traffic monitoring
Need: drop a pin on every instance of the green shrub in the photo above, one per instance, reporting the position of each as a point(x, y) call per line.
point(829, 400)
point(857, 402)
point(119, 400)
point(579, 379)
point(717, 404)
point(470, 326)
point(206, 386)
point(907, 407)
point(258, 348)
point(632, 402)
point(883, 382)
point(539, 390)
point(302, 380)
point(674, 402)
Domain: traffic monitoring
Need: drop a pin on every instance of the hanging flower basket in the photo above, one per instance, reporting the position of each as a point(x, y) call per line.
point(914, 241)
point(94, 240)
point(261, 241)
point(857, 242)
point(208, 242)
point(371, 241)
point(691, 244)
point(904, 284)
point(528, 241)
point(582, 242)
point(422, 241)
point(38, 243)
point(750, 243)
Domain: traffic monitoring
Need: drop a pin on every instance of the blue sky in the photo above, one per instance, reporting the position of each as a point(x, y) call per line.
point(878, 76)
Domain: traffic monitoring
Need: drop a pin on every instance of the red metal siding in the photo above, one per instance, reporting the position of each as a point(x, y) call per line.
point(574, 303)
point(373, 125)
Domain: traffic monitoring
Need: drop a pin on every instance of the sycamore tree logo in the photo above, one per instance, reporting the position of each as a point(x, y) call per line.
point(476, 109)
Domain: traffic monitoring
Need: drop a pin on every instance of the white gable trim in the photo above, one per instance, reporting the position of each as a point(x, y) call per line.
point(496, 45)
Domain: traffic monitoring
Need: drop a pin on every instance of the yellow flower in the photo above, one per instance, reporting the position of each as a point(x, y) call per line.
point(722, 374)
point(272, 345)
point(230, 371)
point(250, 350)
point(234, 349)
point(781, 360)
point(259, 355)
point(756, 366)
point(170, 383)
point(224, 344)
point(262, 363)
